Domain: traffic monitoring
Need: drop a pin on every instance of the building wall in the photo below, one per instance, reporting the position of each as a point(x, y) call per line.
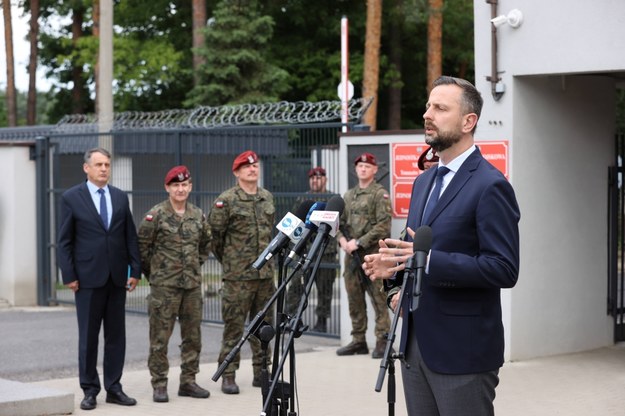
point(561, 129)
point(18, 233)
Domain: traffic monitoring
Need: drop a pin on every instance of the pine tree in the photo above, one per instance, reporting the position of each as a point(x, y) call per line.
point(236, 68)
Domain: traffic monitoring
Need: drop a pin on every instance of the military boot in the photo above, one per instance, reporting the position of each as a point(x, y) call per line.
point(193, 390)
point(321, 325)
point(378, 351)
point(257, 381)
point(160, 395)
point(353, 348)
point(228, 385)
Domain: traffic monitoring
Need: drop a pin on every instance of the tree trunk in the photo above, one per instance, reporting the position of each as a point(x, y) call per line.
point(77, 91)
point(33, 35)
point(435, 41)
point(8, 40)
point(372, 59)
point(199, 23)
point(395, 56)
point(96, 67)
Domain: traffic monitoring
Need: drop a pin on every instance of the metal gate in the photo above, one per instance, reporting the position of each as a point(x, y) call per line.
point(616, 235)
point(142, 156)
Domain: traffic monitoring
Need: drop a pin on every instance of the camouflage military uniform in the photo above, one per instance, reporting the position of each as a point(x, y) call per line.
point(173, 248)
point(367, 217)
point(325, 275)
point(241, 225)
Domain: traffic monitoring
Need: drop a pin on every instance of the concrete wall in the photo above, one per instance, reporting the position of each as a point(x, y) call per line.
point(18, 232)
point(561, 130)
point(573, 36)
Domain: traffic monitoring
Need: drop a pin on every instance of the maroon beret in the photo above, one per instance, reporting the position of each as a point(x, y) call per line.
point(246, 158)
point(318, 171)
point(366, 158)
point(428, 156)
point(177, 174)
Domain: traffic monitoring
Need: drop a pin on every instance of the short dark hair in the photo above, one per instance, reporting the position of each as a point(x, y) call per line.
point(88, 153)
point(471, 98)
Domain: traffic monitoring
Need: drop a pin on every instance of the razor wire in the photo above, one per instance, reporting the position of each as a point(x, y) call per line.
point(206, 117)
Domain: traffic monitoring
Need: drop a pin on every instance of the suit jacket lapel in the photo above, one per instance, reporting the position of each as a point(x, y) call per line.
point(457, 183)
point(419, 197)
point(114, 202)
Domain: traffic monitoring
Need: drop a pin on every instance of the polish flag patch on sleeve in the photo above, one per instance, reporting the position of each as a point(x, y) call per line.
point(386, 196)
point(219, 204)
point(149, 217)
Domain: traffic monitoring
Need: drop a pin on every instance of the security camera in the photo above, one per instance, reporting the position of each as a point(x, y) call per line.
point(499, 20)
point(514, 18)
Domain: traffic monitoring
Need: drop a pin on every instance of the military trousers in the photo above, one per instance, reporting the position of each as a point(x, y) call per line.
point(358, 305)
point(243, 299)
point(165, 305)
point(324, 280)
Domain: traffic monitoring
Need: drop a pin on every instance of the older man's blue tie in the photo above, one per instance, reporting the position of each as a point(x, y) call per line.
point(104, 215)
point(440, 173)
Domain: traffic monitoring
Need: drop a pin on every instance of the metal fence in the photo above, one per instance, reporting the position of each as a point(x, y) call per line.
point(616, 236)
point(141, 160)
point(146, 145)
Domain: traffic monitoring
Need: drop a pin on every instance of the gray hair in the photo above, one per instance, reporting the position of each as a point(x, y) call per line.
point(88, 153)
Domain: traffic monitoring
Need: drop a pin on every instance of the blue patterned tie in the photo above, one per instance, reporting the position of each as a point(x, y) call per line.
point(104, 215)
point(440, 173)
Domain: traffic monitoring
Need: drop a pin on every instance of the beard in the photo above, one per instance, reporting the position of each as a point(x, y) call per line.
point(443, 140)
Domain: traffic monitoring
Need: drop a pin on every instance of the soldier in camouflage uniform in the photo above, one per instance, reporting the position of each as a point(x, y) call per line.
point(174, 240)
point(241, 221)
point(365, 220)
point(325, 276)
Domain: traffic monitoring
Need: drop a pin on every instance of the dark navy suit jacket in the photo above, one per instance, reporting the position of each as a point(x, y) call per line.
point(474, 253)
point(87, 251)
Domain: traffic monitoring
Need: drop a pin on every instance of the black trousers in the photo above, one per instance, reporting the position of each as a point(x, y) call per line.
point(94, 308)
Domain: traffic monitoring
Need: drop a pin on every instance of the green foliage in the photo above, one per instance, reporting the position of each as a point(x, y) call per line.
point(255, 52)
point(236, 68)
point(307, 44)
point(152, 55)
point(22, 98)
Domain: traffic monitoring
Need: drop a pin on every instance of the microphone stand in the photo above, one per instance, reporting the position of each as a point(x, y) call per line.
point(388, 360)
point(262, 330)
point(295, 329)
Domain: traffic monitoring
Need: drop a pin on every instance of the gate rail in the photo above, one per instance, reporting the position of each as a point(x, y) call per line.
point(616, 239)
point(143, 157)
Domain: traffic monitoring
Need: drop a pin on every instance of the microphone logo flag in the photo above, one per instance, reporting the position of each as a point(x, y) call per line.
point(291, 226)
point(326, 217)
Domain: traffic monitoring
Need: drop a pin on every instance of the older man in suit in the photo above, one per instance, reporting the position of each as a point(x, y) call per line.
point(99, 259)
point(453, 341)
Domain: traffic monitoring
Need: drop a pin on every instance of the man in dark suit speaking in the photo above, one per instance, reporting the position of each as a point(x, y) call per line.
point(454, 340)
point(99, 260)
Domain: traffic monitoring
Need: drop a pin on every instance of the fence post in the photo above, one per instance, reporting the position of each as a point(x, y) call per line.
point(42, 171)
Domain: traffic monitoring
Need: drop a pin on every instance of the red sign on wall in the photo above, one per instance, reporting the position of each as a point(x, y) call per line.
point(404, 158)
point(401, 199)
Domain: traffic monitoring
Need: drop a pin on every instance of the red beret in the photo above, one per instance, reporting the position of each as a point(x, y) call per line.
point(428, 156)
point(318, 171)
point(177, 174)
point(246, 158)
point(366, 158)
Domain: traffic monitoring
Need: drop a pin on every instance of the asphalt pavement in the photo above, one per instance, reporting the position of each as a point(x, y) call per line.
point(42, 343)
point(39, 347)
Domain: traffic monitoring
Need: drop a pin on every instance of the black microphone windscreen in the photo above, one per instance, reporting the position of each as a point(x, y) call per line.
point(303, 209)
point(422, 239)
point(336, 203)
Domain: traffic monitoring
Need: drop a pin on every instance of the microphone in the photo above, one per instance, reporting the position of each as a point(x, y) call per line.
point(421, 246)
point(309, 229)
point(288, 227)
point(328, 223)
